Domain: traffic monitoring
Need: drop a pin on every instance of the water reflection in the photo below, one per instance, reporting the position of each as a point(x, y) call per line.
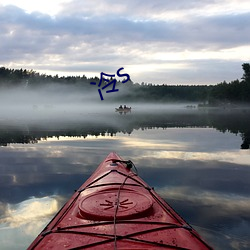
point(21, 221)
point(111, 123)
point(31, 210)
point(199, 169)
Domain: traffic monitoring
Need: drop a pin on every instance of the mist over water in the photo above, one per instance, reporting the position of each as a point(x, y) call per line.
point(63, 103)
point(56, 110)
point(50, 102)
point(53, 137)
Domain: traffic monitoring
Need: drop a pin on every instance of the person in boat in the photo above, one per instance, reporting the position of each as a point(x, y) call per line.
point(120, 107)
point(125, 107)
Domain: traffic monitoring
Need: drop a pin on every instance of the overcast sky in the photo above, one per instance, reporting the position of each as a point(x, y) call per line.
point(156, 41)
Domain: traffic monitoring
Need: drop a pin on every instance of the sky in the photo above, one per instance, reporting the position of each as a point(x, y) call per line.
point(159, 42)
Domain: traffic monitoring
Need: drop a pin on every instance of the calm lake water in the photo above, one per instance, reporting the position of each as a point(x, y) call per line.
point(197, 160)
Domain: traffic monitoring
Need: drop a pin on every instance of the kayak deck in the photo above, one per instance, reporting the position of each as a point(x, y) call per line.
point(116, 209)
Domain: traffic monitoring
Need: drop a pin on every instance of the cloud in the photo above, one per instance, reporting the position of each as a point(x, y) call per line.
point(144, 10)
point(93, 36)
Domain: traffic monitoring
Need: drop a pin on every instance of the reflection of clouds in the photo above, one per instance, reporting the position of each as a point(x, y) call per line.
point(173, 143)
point(234, 156)
point(150, 144)
point(228, 203)
point(222, 219)
point(185, 139)
point(22, 222)
point(203, 173)
point(2, 209)
point(29, 212)
point(79, 138)
point(153, 140)
point(228, 239)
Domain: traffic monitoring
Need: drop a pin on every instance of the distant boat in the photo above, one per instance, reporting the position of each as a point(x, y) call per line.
point(125, 110)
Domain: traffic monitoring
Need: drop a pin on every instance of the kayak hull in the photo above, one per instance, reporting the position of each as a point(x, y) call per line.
point(116, 209)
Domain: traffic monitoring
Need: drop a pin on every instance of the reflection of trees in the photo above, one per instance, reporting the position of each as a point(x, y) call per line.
point(222, 120)
point(246, 141)
point(236, 122)
point(8, 137)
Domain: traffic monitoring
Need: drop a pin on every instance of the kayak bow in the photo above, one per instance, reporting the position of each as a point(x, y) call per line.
point(116, 209)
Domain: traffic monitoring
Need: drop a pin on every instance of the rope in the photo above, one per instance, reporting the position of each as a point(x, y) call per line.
point(129, 164)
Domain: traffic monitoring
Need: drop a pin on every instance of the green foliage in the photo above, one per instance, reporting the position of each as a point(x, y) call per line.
point(246, 75)
point(234, 92)
point(222, 93)
point(31, 78)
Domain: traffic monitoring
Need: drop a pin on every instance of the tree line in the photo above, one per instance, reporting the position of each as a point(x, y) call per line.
point(236, 91)
point(235, 122)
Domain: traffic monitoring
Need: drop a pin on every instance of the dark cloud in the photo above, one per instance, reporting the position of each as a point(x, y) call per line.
point(116, 29)
point(225, 31)
point(89, 33)
point(119, 28)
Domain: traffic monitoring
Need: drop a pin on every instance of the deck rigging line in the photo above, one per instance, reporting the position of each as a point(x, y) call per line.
point(130, 174)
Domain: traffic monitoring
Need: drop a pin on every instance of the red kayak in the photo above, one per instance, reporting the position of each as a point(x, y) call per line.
point(116, 209)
